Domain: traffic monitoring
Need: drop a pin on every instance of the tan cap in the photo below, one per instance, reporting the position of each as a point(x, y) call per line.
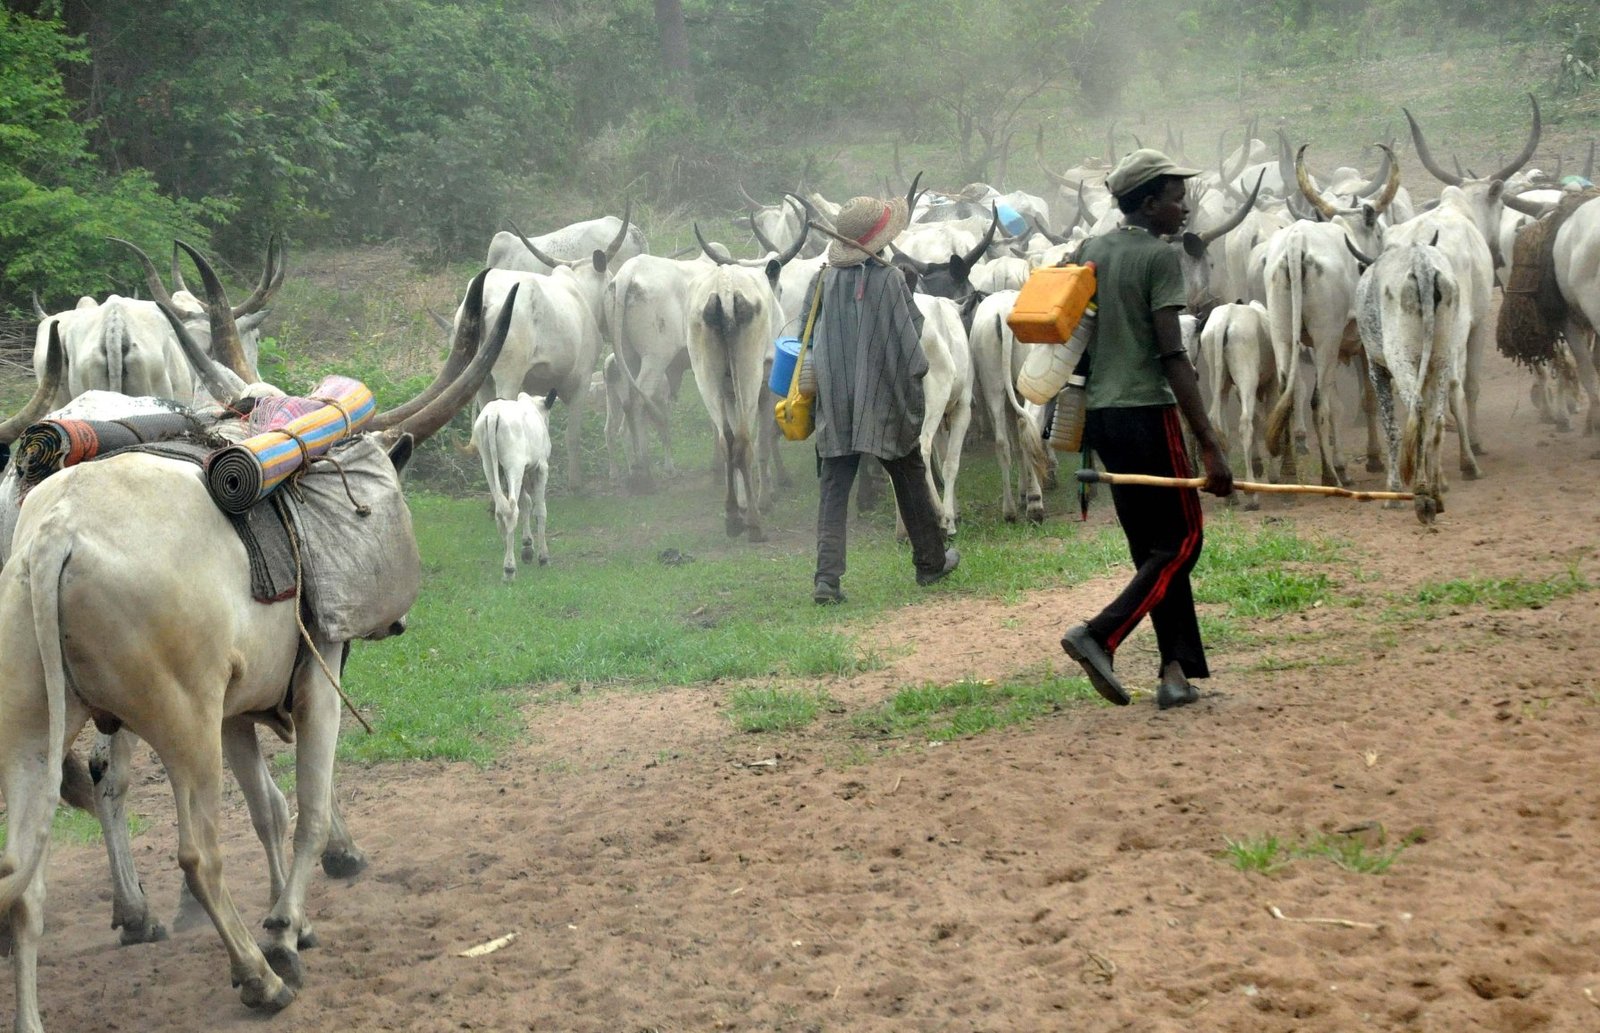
point(1140, 167)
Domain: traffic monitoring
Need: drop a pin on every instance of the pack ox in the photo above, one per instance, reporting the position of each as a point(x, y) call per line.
point(94, 545)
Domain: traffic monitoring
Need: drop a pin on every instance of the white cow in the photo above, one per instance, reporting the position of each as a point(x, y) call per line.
point(733, 319)
point(947, 400)
point(1577, 267)
point(513, 438)
point(1236, 354)
point(1415, 333)
point(617, 238)
point(996, 361)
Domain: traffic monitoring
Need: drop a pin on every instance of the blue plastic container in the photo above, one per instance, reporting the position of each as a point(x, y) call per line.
point(785, 352)
point(1013, 221)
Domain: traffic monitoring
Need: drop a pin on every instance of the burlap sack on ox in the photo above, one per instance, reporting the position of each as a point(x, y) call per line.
point(362, 573)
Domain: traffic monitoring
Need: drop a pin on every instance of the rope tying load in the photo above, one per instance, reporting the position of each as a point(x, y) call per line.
point(1533, 314)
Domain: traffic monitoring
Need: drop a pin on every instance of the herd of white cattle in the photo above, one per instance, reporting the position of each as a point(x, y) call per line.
point(1293, 273)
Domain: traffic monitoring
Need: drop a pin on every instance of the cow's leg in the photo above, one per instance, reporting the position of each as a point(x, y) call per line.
point(1029, 487)
point(191, 747)
point(316, 717)
point(1383, 397)
point(508, 513)
point(1461, 408)
point(540, 475)
point(1369, 410)
point(1582, 344)
point(618, 419)
point(747, 468)
point(1478, 339)
point(1305, 392)
point(109, 762)
point(269, 813)
point(1322, 416)
point(526, 510)
point(768, 425)
point(960, 419)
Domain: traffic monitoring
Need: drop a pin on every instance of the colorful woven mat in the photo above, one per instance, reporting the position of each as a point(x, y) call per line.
point(293, 431)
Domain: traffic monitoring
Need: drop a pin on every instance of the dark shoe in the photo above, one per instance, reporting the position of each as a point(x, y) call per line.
point(825, 593)
point(1081, 646)
point(1169, 695)
point(952, 560)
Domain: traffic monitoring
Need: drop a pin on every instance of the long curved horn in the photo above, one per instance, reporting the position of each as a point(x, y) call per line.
point(225, 343)
point(1392, 186)
point(152, 279)
point(1426, 156)
point(1039, 228)
point(1038, 155)
point(808, 209)
point(271, 280)
point(799, 238)
point(911, 193)
point(749, 202)
point(1232, 222)
point(177, 272)
point(462, 347)
point(533, 249)
point(1381, 177)
point(1528, 148)
point(1304, 179)
point(55, 364)
point(1517, 204)
point(442, 409)
point(622, 234)
point(38, 309)
point(761, 238)
point(222, 383)
point(977, 252)
point(705, 249)
point(1366, 260)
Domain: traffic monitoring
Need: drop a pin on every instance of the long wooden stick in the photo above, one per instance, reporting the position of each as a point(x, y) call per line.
point(1146, 480)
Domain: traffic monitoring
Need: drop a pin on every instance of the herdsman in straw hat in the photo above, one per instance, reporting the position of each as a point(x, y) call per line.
point(868, 358)
point(1139, 378)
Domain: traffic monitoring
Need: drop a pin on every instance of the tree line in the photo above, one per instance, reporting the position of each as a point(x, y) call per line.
point(431, 121)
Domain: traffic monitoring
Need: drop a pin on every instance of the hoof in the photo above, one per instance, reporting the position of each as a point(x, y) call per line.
point(509, 573)
point(527, 552)
point(1470, 472)
point(1011, 518)
point(307, 940)
point(1426, 508)
point(756, 535)
point(1035, 516)
point(255, 994)
point(1374, 465)
point(544, 561)
point(1394, 504)
point(1052, 482)
point(345, 864)
point(144, 932)
point(286, 963)
point(734, 526)
point(1251, 504)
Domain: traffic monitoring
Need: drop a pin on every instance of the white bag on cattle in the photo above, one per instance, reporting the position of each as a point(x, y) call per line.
point(362, 573)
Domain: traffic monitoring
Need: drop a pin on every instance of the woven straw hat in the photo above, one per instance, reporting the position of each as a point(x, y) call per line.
point(870, 222)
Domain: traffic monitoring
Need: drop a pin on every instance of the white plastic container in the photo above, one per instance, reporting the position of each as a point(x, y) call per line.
point(1047, 367)
point(1072, 412)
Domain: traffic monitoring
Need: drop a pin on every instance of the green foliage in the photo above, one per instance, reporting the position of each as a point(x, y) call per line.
point(773, 710)
point(1267, 854)
point(1499, 593)
point(80, 828)
point(939, 713)
point(1264, 854)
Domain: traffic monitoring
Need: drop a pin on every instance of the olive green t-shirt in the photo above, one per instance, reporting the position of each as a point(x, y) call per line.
point(1135, 274)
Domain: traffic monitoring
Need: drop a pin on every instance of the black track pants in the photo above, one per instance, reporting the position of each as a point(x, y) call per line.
point(911, 496)
point(1163, 527)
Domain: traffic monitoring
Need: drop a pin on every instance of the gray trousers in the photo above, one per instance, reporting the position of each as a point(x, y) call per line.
point(911, 495)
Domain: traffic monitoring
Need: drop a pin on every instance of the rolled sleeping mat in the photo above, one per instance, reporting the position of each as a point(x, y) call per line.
point(296, 431)
point(51, 445)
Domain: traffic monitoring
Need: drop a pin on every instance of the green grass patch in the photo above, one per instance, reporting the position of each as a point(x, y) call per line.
point(1500, 593)
point(79, 828)
point(1263, 572)
point(939, 713)
point(1267, 854)
point(774, 710)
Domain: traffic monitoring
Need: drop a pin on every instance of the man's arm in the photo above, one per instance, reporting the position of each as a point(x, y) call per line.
point(1179, 372)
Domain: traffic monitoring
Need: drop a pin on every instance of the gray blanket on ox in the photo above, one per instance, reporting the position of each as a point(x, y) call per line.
point(360, 570)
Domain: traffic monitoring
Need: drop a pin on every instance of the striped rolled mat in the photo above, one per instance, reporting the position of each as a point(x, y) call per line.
point(51, 445)
point(290, 433)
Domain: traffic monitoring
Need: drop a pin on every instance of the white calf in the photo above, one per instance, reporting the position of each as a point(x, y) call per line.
point(947, 398)
point(513, 438)
point(996, 361)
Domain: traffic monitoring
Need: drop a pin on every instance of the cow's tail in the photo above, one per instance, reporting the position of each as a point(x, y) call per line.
point(46, 564)
point(728, 315)
point(618, 318)
point(1281, 420)
point(114, 343)
point(1426, 277)
point(1032, 441)
point(488, 446)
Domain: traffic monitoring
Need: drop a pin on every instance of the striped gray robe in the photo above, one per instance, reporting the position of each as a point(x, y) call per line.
point(867, 350)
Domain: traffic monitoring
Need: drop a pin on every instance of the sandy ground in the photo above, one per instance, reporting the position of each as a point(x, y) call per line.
point(1065, 875)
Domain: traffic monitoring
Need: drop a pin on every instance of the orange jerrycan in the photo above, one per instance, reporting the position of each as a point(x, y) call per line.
point(1051, 302)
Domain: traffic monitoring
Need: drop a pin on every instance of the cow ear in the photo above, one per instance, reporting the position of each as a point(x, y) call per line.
point(958, 268)
point(599, 259)
point(1369, 215)
point(1496, 188)
point(1194, 246)
point(774, 267)
point(400, 452)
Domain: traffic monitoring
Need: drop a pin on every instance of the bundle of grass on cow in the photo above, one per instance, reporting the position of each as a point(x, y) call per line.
point(1533, 314)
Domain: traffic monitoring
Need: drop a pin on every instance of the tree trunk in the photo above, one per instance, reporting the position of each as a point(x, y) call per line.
point(675, 50)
